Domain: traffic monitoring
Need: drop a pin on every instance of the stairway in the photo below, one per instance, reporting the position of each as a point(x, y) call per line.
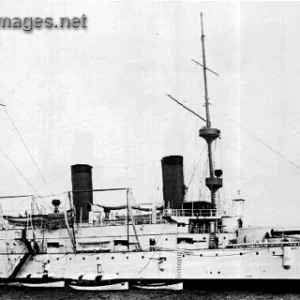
point(212, 241)
point(179, 264)
point(19, 263)
point(16, 267)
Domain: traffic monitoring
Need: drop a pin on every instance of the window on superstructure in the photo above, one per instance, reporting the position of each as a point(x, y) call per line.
point(99, 268)
point(53, 245)
point(185, 240)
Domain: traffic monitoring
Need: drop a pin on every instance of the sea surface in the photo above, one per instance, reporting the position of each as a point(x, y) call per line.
point(17, 293)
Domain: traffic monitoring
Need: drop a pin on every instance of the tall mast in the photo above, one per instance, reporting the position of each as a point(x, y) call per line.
point(208, 133)
point(208, 124)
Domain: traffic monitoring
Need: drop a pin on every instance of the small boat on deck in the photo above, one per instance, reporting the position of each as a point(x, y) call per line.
point(11, 284)
point(96, 282)
point(50, 284)
point(160, 286)
point(121, 286)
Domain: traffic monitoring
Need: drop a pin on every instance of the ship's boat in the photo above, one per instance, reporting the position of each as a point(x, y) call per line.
point(121, 286)
point(96, 282)
point(49, 284)
point(38, 219)
point(160, 286)
point(12, 284)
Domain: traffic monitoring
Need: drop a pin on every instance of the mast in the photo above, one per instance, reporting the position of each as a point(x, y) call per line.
point(208, 124)
point(209, 133)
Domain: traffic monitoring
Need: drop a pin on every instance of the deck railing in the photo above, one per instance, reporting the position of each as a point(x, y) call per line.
point(122, 222)
point(194, 213)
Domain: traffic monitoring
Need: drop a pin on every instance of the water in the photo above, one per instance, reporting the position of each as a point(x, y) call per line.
point(13, 293)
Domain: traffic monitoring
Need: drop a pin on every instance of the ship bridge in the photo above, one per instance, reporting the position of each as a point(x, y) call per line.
point(196, 209)
point(197, 217)
point(205, 214)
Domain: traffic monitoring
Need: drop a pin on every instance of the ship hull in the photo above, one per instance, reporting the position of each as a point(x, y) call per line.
point(219, 265)
point(169, 261)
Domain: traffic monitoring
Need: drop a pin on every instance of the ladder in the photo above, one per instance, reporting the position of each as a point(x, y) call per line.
point(179, 264)
point(212, 240)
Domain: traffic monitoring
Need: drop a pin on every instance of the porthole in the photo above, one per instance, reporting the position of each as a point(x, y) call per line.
point(183, 255)
point(219, 272)
point(224, 237)
point(257, 253)
point(143, 256)
point(57, 258)
point(200, 255)
point(241, 253)
point(70, 258)
point(217, 254)
point(83, 258)
point(112, 257)
point(166, 239)
point(274, 252)
point(98, 257)
point(127, 257)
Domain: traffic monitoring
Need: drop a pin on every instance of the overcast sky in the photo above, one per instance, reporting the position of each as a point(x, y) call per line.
point(98, 96)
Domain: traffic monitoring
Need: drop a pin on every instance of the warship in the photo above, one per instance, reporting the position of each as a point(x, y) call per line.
point(181, 243)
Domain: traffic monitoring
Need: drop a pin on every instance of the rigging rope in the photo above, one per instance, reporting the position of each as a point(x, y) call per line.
point(204, 175)
point(9, 159)
point(258, 139)
point(195, 168)
point(27, 181)
point(23, 141)
point(224, 203)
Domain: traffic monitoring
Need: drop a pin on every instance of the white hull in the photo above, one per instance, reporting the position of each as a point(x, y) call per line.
point(171, 287)
point(122, 286)
point(270, 261)
point(241, 263)
point(54, 284)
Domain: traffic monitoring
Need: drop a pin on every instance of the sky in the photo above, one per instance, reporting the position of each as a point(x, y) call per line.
point(98, 96)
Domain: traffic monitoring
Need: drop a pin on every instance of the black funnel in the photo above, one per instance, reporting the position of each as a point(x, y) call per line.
point(81, 176)
point(173, 182)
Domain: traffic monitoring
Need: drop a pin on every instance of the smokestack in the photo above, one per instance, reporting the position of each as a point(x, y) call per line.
point(173, 184)
point(81, 176)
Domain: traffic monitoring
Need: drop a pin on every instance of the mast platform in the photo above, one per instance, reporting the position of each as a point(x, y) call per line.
point(209, 134)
